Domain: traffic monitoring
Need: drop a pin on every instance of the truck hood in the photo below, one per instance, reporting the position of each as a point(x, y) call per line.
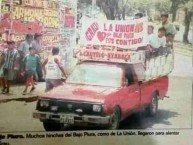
point(80, 93)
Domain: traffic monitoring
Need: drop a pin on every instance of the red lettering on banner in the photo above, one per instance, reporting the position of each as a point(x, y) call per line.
point(105, 55)
point(129, 42)
point(110, 28)
point(124, 28)
point(128, 35)
point(117, 35)
point(110, 40)
point(92, 31)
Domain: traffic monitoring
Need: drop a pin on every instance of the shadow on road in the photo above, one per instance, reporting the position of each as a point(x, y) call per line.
point(138, 121)
point(142, 121)
point(27, 100)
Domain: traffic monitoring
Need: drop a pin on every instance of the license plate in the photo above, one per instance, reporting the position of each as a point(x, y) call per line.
point(67, 119)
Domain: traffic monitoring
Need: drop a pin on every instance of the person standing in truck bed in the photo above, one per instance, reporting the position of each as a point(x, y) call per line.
point(170, 28)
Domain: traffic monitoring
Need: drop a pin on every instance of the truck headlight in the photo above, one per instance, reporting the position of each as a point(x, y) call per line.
point(44, 103)
point(97, 108)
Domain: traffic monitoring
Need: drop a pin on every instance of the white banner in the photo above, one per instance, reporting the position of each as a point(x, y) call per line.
point(124, 34)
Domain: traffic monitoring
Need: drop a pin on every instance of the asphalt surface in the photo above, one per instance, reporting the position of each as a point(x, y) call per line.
point(174, 112)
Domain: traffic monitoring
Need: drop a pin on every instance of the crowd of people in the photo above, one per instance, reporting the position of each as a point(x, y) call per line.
point(164, 38)
point(27, 61)
point(159, 43)
point(26, 57)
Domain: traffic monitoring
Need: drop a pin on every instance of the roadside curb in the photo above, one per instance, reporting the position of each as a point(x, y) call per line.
point(182, 48)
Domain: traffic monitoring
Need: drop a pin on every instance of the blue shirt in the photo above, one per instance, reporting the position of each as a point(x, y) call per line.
point(31, 62)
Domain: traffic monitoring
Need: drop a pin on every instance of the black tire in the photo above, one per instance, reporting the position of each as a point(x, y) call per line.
point(115, 119)
point(52, 126)
point(152, 109)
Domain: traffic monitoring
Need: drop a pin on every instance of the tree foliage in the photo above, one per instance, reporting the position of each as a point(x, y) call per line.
point(162, 6)
point(188, 9)
point(111, 8)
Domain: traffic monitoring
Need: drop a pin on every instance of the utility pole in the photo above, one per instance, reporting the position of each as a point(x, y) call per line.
point(93, 7)
point(192, 40)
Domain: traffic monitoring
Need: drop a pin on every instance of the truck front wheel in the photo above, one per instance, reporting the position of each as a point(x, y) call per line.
point(153, 106)
point(48, 126)
point(115, 119)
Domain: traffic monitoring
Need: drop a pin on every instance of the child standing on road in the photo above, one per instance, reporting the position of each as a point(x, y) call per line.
point(30, 64)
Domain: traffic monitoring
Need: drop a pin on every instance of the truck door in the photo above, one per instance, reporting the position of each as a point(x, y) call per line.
point(130, 99)
point(130, 96)
point(146, 93)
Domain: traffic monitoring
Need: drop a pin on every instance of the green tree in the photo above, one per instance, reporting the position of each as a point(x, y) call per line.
point(175, 4)
point(162, 6)
point(188, 9)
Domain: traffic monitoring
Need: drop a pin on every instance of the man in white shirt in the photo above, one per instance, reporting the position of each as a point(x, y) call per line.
point(53, 69)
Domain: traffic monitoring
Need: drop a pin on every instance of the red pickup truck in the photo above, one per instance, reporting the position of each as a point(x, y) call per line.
point(99, 94)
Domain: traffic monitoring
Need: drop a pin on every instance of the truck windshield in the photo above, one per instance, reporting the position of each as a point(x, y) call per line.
point(94, 74)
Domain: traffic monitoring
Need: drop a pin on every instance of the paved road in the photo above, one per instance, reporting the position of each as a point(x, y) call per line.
point(179, 35)
point(175, 112)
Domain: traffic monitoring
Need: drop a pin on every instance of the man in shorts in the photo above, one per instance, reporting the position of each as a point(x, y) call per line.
point(53, 69)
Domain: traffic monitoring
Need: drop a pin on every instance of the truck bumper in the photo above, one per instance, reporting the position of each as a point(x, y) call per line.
point(71, 119)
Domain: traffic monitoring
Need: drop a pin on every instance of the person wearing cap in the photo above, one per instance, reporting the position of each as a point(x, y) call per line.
point(38, 46)
point(31, 61)
point(170, 28)
point(10, 59)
